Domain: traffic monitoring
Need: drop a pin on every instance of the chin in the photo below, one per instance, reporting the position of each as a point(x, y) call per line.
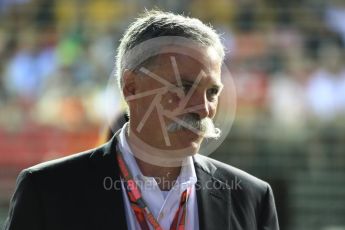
point(190, 141)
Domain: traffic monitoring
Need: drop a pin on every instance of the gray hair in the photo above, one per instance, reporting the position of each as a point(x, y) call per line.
point(154, 24)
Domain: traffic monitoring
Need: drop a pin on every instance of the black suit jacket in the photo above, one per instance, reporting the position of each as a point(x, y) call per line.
point(82, 191)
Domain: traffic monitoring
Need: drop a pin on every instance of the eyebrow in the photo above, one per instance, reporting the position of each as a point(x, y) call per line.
point(215, 85)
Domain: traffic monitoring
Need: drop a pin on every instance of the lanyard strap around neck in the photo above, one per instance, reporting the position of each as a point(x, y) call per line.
point(140, 207)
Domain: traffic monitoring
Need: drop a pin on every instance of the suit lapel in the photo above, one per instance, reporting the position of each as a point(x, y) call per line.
point(103, 191)
point(213, 197)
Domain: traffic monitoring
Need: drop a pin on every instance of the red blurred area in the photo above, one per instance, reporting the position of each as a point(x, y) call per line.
point(39, 143)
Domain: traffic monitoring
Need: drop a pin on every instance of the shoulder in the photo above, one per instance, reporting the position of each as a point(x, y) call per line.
point(236, 178)
point(73, 161)
point(73, 167)
point(251, 198)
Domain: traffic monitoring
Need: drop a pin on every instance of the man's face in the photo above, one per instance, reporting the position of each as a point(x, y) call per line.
point(174, 95)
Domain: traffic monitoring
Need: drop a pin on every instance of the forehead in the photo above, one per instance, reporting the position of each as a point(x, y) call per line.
point(188, 63)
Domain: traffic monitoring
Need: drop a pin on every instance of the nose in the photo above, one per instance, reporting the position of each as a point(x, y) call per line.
point(200, 104)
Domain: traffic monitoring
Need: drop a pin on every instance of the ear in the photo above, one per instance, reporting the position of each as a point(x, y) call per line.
point(129, 86)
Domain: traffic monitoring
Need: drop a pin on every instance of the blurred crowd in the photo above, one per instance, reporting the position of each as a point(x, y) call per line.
point(56, 58)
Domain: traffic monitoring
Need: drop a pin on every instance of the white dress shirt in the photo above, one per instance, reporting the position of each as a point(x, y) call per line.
point(162, 204)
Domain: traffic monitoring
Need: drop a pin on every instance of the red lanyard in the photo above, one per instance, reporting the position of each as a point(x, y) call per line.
point(141, 209)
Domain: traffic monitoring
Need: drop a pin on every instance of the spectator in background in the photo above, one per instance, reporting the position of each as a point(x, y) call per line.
point(325, 89)
point(29, 67)
point(335, 17)
point(287, 95)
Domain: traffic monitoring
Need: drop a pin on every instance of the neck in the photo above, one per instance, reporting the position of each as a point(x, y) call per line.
point(165, 175)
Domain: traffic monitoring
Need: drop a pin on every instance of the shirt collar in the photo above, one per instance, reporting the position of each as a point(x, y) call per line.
point(187, 175)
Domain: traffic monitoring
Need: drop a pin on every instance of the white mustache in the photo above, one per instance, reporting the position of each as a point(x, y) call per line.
point(205, 126)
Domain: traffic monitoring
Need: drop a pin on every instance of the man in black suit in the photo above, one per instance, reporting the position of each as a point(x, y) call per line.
point(150, 175)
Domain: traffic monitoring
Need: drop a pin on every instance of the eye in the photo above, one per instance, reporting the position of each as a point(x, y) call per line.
point(186, 88)
point(212, 93)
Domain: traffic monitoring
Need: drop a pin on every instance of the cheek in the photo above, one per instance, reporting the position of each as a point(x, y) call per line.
point(170, 101)
point(141, 105)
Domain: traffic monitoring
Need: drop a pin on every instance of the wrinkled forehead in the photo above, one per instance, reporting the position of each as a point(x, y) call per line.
point(171, 65)
point(205, 58)
point(184, 48)
point(180, 66)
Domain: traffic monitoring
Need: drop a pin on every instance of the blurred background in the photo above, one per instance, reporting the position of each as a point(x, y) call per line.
point(286, 57)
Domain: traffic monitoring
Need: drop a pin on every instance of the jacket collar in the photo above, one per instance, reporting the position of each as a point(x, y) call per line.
point(213, 195)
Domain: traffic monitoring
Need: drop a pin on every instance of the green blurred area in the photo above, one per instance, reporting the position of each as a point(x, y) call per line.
point(286, 58)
